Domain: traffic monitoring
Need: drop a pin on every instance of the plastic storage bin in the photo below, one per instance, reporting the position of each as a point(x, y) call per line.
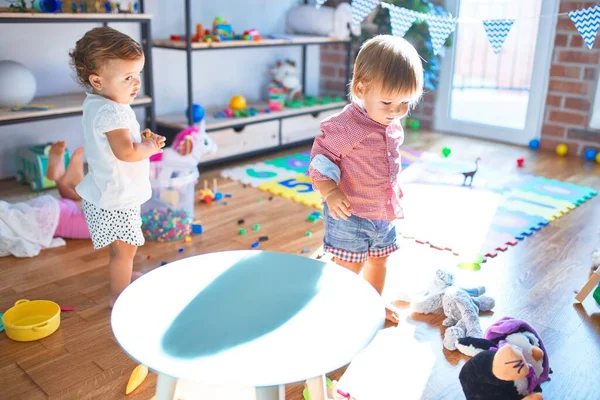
point(169, 214)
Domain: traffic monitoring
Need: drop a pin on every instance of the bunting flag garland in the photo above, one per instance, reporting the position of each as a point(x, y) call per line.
point(362, 8)
point(401, 19)
point(497, 30)
point(586, 21)
point(319, 3)
point(439, 30)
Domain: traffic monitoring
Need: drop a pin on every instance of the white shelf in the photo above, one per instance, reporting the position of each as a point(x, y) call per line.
point(179, 120)
point(64, 104)
point(48, 17)
point(278, 40)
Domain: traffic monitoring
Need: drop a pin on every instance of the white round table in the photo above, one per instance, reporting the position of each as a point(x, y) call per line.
point(246, 319)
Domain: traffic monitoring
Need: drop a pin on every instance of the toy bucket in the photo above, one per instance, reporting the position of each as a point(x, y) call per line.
point(169, 214)
point(31, 320)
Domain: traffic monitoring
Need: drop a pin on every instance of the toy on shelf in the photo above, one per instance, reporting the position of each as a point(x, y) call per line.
point(208, 195)
point(222, 29)
point(197, 113)
point(32, 163)
point(188, 148)
point(285, 75)
point(237, 103)
point(47, 6)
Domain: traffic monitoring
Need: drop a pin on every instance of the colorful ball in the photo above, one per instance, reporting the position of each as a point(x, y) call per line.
point(237, 103)
point(590, 154)
point(598, 158)
point(562, 149)
point(534, 144)
point(197, 112)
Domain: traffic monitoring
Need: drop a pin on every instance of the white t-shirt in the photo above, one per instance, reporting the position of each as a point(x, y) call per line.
point(110, 183)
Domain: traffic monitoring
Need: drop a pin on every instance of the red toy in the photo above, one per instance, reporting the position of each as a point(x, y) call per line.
point(520, 162)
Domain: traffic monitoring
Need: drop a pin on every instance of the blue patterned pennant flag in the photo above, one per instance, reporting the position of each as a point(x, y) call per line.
point(586, 21)
point(401, 19)
point(439, 30)
point(362, 8)
point(319, 3)
point(497, 30)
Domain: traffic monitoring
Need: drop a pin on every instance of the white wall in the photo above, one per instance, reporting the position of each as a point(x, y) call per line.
point(217, 74)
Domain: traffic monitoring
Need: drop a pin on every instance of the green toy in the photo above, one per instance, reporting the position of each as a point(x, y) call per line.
point(596, 294)
point(446, 151)
point(32, 164)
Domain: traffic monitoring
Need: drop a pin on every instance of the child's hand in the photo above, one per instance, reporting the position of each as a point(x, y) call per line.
point(339, 206)
point(158, 141)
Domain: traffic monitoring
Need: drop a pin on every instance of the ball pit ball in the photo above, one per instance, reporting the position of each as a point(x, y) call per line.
point(166, 224)
point(590, 154)
point(598, 158)
point(237, 103)
point(188, 239)
point(534, 144)
point(562, 149)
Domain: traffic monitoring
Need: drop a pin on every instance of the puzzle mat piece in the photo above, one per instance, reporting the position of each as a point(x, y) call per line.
point(297, 188)
point(495, 242)
point(560, 206)
point(257, 174)
point(570, 192)
point(409, 156)
point(296, 162)
point(531, 207)
point(447, 217)
point(517, 223)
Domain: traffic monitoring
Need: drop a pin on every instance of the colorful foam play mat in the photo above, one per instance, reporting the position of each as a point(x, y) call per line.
point(499, 209)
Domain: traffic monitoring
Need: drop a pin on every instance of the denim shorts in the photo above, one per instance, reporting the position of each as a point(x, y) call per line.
point(355, 239)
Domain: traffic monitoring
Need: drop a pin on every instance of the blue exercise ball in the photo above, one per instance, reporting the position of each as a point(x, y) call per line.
point(590, 154)
point(197, 112)
point(534, 144)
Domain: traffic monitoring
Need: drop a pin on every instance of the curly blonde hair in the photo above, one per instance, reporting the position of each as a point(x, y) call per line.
point(390, 62)
point(98, 46)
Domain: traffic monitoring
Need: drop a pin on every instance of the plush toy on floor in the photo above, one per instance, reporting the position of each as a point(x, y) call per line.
point(493, 375)
point(461, 307)
point(518, 333)
point(188, 148)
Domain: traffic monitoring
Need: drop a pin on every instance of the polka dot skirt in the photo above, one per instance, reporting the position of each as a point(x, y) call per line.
point(107, 226)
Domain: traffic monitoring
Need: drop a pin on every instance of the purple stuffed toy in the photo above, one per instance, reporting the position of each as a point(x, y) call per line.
point(518, 333)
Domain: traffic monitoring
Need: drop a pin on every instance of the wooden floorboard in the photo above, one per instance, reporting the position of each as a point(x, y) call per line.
point(534, 281)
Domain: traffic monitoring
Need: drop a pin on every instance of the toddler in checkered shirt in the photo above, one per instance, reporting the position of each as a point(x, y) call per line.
point(355, 161)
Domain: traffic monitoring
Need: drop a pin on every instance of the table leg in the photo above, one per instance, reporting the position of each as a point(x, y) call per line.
point(271, 393)
point(589, 286)
point(317, 388)
point(165, 387)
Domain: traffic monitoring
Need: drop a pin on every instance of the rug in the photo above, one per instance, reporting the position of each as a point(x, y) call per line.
point(500, 208)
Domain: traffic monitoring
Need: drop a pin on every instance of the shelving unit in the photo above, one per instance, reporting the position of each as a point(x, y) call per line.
point(66, 105)
point(172, 123)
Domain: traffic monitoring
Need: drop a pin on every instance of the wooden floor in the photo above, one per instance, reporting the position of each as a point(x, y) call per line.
point(534, 281)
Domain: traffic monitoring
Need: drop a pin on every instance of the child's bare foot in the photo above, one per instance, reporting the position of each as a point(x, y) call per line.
point(56, 161)
point(391, 315)
point(72, 176)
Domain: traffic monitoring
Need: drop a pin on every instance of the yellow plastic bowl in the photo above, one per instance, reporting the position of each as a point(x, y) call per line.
point(31, 320)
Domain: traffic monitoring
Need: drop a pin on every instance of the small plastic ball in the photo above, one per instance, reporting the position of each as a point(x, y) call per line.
point(534, 144)
point(590, 154)
point(562, 149)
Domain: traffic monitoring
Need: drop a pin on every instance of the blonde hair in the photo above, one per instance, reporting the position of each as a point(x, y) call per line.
point(97, 47)
point(391, 63)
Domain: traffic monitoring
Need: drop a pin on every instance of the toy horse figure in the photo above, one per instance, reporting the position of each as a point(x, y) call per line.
point(188, 148)
point(286, 75)
point(471, 174)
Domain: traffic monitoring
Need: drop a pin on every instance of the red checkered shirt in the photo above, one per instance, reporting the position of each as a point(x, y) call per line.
point(367, 155)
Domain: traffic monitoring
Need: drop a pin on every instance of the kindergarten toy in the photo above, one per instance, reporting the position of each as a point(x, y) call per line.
point(461, 307)
point(237, 103)
point(446, 151)
point(137, 377)
point(32, 164)
point(590, 154)
point(562, 149)
point(534, 144)
point(285, 75)
point(207, 195)
point(520, 162)
point(496, 375)
point(188, 148)
point(28, 320)
point(197, 113)
point(471, 174)
point(509, 331)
